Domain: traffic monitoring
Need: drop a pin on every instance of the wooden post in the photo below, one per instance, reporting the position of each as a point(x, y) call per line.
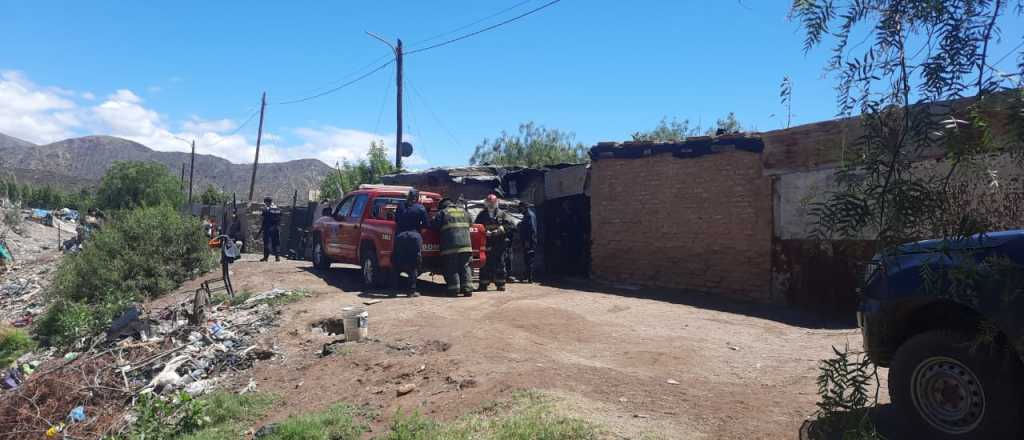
point(259, 138)
point(398, 141)
point(191, 173)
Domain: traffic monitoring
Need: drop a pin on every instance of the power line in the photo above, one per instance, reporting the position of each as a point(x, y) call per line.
point(493, 26)
point(383, 102)
point(1008, 54)
point(434, 115)
point(335, 89)
point(469, 25)
point(236, 130)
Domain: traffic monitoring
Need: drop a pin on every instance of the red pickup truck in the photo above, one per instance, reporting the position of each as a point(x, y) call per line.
point(360, 229)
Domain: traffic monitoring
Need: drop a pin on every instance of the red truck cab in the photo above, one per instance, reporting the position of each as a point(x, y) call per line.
point(360, 229)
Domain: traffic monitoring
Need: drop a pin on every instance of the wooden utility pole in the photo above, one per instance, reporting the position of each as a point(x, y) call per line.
point(398, 79)
point(191, 173)
point(259, 138)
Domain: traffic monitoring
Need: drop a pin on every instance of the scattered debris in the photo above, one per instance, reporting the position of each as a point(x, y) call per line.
point(673, 382)
point(372, 302)
point(144, 352)
point(405, 389)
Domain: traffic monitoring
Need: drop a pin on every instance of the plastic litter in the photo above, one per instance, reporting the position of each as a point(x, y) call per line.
point(77, 414)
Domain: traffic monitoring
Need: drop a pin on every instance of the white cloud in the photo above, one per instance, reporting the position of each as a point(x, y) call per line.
point(34, 113)
point(48, 114)
point(195, 123)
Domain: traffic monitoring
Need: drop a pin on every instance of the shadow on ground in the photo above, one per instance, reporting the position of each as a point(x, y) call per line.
point(349, 279)
point(774, 312)
point(884, 418)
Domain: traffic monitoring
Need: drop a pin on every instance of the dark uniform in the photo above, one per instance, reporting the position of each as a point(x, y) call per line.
point(410, 219)
point(456, 247)
point(497, 245)
point(528, 237)
point(271, 231)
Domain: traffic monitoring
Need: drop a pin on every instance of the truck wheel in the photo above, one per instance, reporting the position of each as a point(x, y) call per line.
point(948, 387)
point(373, 276)
point(320, 260)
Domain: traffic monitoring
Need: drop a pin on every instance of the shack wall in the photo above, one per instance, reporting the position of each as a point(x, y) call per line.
point(702, 223)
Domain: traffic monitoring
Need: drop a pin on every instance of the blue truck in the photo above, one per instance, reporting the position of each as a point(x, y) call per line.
point(947, 318)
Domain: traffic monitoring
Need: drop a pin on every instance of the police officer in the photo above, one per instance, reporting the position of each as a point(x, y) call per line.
point(527, 234)
point(270, 229)
point(456, 248)
point(410, 217)
point(496, 224)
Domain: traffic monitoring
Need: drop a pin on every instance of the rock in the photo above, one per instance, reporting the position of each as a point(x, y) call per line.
point(265, 431)
point(405, 389)
point(672, 382)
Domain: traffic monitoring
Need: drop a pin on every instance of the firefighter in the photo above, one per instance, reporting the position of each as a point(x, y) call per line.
point(527, 235)
point(456, 248)
point(496, 224)
point(410, 218)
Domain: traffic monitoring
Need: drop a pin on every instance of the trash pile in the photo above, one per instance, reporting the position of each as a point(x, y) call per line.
point(33, 256)
point(159, 352)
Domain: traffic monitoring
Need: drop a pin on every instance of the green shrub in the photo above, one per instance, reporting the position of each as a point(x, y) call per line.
point(13, 343)
point(159, 419)
point(141, 254)
point(129, 185)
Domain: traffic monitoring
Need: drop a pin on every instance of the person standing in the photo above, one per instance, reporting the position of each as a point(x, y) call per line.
point(456, 248)
point(270, 229)
point(527, 234)
point(496, 224)
point(411, 217)
point(235, 231)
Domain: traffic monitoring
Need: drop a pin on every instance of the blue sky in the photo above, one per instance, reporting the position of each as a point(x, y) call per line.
point(158, 71)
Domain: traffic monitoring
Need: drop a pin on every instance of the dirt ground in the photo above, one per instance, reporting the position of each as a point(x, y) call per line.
point(640, 364)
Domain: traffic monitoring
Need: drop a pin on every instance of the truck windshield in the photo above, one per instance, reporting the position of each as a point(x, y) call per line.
point(381, 204)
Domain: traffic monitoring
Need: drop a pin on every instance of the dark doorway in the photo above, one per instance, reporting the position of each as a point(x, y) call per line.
point(566, 232)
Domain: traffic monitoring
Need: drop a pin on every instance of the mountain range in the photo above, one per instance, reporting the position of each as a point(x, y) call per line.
point(81, 162)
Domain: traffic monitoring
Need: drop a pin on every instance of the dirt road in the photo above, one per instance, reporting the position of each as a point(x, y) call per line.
point(686, 368)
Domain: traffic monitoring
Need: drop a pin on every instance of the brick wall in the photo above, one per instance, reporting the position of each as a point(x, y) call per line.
point(699, 223)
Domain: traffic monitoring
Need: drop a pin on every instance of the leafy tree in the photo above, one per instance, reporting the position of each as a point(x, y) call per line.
point(129, 185)
point(350, 175)
point(922, 54)
point(212, 196)
point(535, 146)
point(726, 125)
point(666, 131)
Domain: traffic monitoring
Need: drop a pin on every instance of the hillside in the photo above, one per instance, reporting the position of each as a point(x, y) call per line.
point(79, 161)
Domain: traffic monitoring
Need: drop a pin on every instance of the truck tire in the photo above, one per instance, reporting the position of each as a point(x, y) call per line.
point(373, 276)
point(320, 259)
point(947, 387)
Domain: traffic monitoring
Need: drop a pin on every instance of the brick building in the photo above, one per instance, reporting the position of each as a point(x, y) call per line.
point(730, 215)
point(691, 215)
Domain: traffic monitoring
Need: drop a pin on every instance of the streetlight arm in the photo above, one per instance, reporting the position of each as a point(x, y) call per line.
point(392, 46)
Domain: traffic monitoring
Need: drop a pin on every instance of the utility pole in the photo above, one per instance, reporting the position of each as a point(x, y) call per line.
point(398, 80)
point(259, 137)
point(191, 173)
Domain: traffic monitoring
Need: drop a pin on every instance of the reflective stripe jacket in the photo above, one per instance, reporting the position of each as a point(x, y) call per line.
point(454, 226)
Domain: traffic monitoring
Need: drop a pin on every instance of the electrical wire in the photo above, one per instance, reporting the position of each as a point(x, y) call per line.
point(236, 130)
point(335, 89)
point(478, 32)
point(434, 115)
point(383, 102)
point(469, 25)
point(1012, 51)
